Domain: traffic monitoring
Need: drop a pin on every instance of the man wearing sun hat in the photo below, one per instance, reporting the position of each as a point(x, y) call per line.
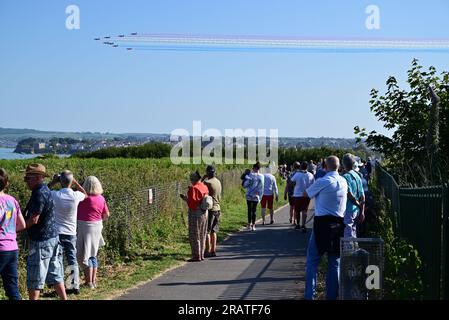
point(44, 262)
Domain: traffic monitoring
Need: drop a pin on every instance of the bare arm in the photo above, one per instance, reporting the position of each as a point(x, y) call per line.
point(353, 199)
point(54, 181)
point(105, 216)
point(276, 189)
point(20, 223)
point(79, 188)
point(33, 220)
point(361, 216)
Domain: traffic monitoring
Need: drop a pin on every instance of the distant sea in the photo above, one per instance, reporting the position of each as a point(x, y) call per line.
point(9, 154)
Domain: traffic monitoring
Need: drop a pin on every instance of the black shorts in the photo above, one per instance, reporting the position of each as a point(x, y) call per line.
point(213, 221)
point(291, 201)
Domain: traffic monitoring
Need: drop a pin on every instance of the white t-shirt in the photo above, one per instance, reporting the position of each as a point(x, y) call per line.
point(66, 204)
point(302, 180)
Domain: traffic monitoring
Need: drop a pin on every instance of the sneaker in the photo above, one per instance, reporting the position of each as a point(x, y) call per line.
point(290, 220)
point(194, 260)
point(249, 227)
point(87, 285)
point(254, 227)
point(50, 294)
point(272, 221)
point(73, 291)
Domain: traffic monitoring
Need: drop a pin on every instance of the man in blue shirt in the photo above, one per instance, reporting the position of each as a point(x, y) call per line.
point(355, 205)
point(330, 193)
point(44, 263)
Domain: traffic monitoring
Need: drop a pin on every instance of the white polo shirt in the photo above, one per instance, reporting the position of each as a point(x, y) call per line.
point(331, 192)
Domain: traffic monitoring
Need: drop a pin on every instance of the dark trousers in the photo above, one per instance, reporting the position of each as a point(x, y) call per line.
point(9, 262)
point(252, 208)
point(68, 243)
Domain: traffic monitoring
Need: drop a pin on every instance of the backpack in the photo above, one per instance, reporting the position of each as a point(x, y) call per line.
point(206, 203)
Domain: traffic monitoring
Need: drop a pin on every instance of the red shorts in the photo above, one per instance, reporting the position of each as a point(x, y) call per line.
point(267, 200)
point(301, 203)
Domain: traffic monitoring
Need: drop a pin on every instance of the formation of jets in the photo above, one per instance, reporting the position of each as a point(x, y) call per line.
point(112, 43)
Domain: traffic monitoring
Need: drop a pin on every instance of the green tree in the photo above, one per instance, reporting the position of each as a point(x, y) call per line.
point(418, 150)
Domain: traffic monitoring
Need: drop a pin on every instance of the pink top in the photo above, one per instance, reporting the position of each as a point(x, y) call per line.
point(92, 208)
point(9, 209)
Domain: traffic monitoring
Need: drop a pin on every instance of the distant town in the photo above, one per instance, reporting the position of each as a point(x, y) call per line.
point(29, 141)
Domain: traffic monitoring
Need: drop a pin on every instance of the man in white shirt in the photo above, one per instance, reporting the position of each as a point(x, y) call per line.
point(330, 193)
point(302, 180)
point(66, 203)
point(269, 194)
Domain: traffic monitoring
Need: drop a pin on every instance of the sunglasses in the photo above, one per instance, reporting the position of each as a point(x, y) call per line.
point(29, 178)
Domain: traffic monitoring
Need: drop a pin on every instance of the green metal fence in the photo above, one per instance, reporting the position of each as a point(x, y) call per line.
point(421, 217)
point(445, 247)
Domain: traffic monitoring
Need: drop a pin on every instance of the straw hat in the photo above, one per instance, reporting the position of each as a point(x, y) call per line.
point(35, 169)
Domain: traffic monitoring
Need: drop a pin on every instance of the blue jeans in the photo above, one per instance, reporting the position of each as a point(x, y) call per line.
point(8, 270)
point(93, 262)
point(313, 260)
point(68, 244)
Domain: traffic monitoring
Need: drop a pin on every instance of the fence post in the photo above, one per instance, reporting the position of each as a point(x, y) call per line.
point(222, 184)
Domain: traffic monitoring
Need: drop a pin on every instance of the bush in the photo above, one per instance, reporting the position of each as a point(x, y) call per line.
point(155, 150)
point(403, 266)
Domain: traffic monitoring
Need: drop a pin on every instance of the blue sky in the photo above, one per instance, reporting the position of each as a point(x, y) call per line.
point(52, 78)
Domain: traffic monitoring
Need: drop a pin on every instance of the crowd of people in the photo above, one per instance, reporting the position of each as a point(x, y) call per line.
point(59, 223)
point(338, 190)
point(68, 222)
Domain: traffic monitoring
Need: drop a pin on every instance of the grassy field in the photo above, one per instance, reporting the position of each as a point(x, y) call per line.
point(141, 240)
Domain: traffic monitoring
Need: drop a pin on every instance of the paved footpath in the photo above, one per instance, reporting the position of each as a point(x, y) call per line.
point(268, 263)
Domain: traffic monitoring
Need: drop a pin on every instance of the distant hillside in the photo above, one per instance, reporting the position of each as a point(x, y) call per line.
point(10, 134)
point(18, 131)
point(92, 141)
